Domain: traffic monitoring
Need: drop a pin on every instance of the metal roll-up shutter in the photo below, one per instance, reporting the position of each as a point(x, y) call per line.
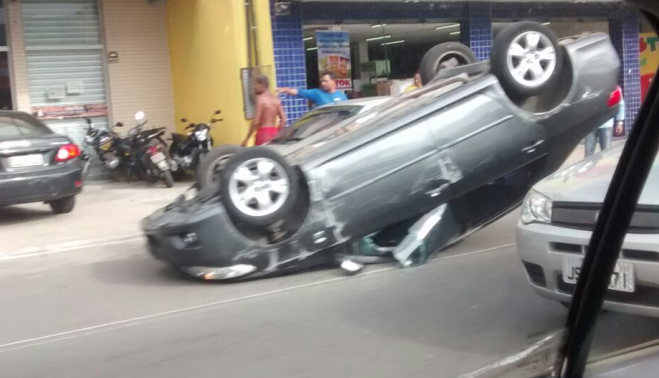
point(66, 71)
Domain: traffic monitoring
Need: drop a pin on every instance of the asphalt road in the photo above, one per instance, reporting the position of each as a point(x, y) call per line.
point(112, 311)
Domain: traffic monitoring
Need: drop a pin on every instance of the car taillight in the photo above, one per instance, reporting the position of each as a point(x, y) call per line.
point(153, 150)
point(67, 152)
point(615, 97)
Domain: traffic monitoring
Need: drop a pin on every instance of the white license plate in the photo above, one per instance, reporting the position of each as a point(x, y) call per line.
point(621, 280)
point(25, 161)
point(158, 157)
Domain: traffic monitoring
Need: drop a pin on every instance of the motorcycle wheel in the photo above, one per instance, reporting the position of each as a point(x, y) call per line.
point(168, 179)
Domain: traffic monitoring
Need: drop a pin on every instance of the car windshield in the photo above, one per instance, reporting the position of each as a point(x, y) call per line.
point(21, 126)
point(316, 121)
point(400, 188)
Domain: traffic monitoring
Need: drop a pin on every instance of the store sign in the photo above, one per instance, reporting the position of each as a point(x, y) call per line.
point(334, 55)
point(649, 60)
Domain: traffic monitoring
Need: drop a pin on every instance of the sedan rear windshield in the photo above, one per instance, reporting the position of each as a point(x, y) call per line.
point(21, 126)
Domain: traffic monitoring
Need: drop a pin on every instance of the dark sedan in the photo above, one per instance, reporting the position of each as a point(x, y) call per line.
point(36, 164)
point(412, 175)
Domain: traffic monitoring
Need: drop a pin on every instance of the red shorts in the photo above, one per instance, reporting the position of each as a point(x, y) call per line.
point(265, 134)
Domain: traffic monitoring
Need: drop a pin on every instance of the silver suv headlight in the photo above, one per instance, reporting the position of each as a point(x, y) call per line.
point(536, 208)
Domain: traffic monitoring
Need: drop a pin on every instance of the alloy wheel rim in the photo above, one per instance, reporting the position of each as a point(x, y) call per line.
point(531, 59)
point(259, 187)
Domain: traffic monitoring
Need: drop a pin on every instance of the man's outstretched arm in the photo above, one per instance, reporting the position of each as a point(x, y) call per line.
point(288, 91)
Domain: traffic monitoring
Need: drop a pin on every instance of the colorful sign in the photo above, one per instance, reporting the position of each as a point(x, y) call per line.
point(649, 60)
point(334, 55)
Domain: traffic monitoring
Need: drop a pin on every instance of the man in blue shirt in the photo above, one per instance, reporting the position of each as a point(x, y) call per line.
point(326, 94)
point(605, 132)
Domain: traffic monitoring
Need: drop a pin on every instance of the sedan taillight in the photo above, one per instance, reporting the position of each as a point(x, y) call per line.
point(67, 152)
point(615, 97)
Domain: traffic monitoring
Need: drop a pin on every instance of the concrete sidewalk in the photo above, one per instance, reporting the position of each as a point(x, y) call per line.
point(104, 213)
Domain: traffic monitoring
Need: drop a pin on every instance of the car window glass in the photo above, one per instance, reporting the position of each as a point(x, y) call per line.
point(15, 127)
point(319, 120)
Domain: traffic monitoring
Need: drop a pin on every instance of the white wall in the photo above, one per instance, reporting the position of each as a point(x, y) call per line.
point(141, 80)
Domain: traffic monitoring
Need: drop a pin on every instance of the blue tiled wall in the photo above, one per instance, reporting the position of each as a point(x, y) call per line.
point(476, 29)
point(289, 52)
point(624, 31)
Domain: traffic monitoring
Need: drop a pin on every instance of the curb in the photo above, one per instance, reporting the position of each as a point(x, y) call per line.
point(68, 246)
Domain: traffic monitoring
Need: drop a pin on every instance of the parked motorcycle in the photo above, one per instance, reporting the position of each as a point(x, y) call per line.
point(150, 153)
point(105, 143)
point(142, 153)
point(187, 150)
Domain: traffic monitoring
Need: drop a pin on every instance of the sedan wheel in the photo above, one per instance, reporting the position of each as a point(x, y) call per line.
point(258, 186)
point(526, 58)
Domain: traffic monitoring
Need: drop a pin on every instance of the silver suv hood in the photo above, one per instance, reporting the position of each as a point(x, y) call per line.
point(588, 180)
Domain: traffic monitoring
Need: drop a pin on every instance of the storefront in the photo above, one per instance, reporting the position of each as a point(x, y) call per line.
point(401, 32)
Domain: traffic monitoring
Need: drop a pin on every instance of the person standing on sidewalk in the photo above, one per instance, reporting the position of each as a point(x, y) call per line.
point(326, 94)
point(268, 108)
point(416, 85)
point(605, 132)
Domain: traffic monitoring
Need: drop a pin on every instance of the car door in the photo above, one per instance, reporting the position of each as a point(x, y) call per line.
point(487, 152)
point(383, 181)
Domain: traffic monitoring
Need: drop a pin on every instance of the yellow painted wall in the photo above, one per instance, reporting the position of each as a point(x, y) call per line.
point(208, 47)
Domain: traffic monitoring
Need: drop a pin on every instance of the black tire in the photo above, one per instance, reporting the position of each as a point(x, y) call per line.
point(519, 88)
point(63, 205)
point(436, 57)
point(178, 174)
point(210, 166)
point(167, 178)
point(276, 215)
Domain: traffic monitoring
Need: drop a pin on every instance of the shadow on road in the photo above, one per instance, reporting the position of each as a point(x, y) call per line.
point(131, 272)
point(20, 214)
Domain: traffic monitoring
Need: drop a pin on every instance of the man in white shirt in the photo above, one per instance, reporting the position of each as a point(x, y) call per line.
point(605, 132)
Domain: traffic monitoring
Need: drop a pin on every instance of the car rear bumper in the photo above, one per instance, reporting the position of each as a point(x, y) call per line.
point(47, 185)
point(543, 249)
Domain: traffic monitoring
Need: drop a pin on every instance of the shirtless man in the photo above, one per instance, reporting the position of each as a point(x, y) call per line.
point(268, 107)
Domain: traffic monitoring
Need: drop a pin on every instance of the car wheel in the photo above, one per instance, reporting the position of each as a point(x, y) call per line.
point(63, 205)
point(211, 165)
point(526, 58)
point(258, 187)
point(444, 55)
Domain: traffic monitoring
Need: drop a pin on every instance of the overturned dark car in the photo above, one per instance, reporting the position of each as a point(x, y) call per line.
point(406, 178)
